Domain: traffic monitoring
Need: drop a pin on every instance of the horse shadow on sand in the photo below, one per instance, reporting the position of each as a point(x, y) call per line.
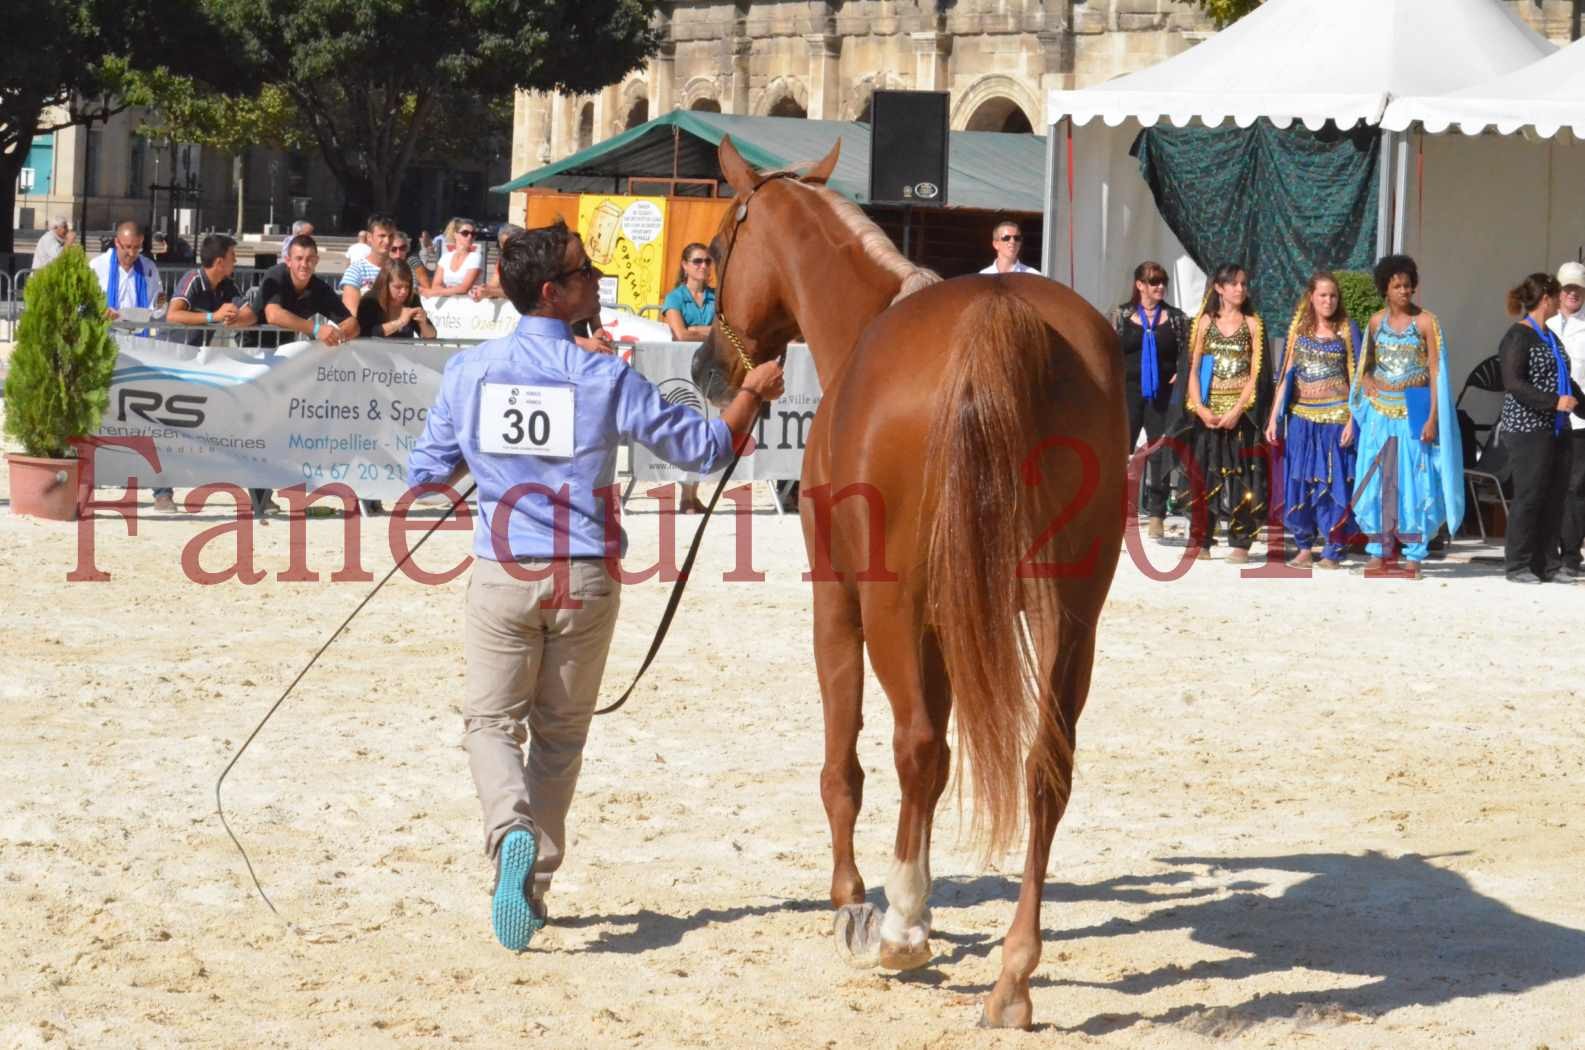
point(1413, 933)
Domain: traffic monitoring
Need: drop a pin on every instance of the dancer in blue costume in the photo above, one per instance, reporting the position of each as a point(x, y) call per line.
point(1311, 406)
point(1401, 399)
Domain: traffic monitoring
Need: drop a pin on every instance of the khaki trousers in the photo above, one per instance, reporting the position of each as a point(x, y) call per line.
point(533, 674)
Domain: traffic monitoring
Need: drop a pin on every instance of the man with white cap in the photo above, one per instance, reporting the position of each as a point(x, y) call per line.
point(1569, 326)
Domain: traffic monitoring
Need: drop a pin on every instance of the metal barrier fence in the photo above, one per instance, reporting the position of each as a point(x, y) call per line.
point(12, 287)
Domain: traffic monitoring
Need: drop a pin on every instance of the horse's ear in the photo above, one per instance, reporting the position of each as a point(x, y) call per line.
point(821, 173)
point(739, 175)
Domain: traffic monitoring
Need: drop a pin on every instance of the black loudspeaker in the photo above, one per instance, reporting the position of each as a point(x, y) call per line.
point(908, 148)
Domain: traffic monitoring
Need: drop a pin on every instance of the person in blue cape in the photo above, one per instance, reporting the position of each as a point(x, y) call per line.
point(1411, 460)
point(1310, 417)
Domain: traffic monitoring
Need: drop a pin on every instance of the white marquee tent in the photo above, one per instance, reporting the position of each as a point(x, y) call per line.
point(1476, 213)
point(1545, 97)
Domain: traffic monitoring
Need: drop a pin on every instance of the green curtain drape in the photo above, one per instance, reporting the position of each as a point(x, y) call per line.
point(1284, 202)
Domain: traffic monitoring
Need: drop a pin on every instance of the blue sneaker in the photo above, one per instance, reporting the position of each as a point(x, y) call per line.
point(512, 913)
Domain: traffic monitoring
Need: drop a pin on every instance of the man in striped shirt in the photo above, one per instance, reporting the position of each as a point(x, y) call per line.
point(359, 276)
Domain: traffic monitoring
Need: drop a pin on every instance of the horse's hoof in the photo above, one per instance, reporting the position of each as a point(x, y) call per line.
point(858, 935)
point(905, 956)
point(1011, 1015)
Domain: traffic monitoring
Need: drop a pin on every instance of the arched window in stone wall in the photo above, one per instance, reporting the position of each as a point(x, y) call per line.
point(787, 106)
point(1000, 114)
point(586, 125)
point(637, 114)
point(705, 105)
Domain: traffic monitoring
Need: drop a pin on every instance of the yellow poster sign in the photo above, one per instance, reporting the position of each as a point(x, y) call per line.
point(626, 238)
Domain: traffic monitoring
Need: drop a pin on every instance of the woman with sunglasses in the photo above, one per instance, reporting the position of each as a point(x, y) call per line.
point(1153, 335)
point(460, 266)
point(689, 311)
point(1008, 240)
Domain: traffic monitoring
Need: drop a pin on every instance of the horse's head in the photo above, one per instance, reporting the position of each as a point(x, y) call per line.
point(752, 321)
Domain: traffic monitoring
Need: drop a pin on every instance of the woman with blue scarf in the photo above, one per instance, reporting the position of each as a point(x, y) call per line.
point(1535, 408)
point(1153, 336)
point(1311, 420)
point(1411, 460)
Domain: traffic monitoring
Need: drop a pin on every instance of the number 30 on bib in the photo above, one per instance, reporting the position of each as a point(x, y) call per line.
point(526, 420)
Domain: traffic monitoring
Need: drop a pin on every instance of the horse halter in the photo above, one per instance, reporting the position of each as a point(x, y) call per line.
point(720, 295)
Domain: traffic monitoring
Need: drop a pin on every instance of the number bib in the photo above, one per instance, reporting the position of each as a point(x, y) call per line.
point(526, 420)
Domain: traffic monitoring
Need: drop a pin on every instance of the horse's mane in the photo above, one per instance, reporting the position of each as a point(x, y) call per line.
point(877, 246)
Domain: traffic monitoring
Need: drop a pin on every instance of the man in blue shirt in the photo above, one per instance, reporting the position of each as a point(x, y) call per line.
point(537, 421)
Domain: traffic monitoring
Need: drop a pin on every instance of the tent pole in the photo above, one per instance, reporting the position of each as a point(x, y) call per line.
point(1384, 196)
point(1401, 194)
point(1048, 235)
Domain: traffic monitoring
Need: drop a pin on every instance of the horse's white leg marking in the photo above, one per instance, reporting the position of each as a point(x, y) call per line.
point(907, 920)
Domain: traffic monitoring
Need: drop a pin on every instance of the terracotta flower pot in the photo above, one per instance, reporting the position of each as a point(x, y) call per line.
point(43, 488)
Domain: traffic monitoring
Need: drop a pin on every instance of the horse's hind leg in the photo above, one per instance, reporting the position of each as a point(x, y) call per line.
point(1008, 1005)
point(909, 666)
point(839, 662)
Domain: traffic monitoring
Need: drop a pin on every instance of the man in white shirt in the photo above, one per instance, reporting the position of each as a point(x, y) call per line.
point(1008, 240)
point(300, 228)
point(359, 250)
point(1569, 325)
point(130, 280)
point(127, 277)
point(54, 241)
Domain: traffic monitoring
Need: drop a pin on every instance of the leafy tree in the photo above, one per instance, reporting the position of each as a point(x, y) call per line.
point(373, 83)
point(65, 63)
point(1224, 12)
point(59, 382)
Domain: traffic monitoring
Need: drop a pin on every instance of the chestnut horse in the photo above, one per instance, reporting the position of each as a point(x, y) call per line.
point(962, 498)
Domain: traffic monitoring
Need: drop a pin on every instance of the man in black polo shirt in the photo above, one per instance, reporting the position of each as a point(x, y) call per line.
point(294, 298)
point(208, 295)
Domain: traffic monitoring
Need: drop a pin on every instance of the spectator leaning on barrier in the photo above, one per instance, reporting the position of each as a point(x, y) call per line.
point(391, 309)
point(294, 298)
point(459, 268)
point(207, 296)
point(130, 280)
point(300, 228)
point(53, 242)
point(1008, 240)
point(360, 274)
point(542, 604)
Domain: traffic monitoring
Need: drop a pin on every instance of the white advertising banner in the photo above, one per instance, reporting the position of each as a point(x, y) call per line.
point(308, 413)
point(271, 418)
point(779, 437)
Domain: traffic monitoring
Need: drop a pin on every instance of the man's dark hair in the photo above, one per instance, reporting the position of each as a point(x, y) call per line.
point(303, 240)
point(1391, 266)
point(531, 258)
point(380, 221)
point(213, 248)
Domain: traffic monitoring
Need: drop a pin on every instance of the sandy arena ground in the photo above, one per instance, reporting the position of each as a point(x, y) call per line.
point(1328, 813)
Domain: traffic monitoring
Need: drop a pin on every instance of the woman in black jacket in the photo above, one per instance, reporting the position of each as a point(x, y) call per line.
point(1145, 323)
point(1539, 396)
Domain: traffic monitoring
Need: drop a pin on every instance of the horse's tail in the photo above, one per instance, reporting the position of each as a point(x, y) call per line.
point(985, 425)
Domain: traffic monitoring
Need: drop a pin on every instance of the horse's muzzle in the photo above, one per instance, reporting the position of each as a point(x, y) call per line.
point(708, 375)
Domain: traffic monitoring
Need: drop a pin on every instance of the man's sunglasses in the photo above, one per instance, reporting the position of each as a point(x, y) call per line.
point(1011, 237)
point(586, 270)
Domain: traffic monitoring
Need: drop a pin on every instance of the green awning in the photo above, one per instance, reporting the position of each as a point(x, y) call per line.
point(988, 171)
